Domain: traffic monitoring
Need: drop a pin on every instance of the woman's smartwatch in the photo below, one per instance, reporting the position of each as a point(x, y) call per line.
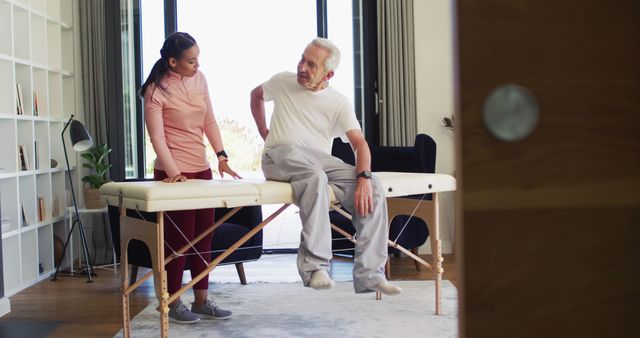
point(365, 173)
point(222, 153)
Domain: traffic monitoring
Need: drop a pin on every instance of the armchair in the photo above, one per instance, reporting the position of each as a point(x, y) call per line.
point(420, 158)
point(224, 236)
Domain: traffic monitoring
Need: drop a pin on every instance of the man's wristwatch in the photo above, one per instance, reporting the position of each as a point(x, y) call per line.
point(365, 173)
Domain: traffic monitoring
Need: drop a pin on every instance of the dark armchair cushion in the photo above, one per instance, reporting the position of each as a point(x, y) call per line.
point(420, 158)
point(233, 229)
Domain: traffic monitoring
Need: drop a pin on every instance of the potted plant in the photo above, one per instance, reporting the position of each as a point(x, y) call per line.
point(97, 158)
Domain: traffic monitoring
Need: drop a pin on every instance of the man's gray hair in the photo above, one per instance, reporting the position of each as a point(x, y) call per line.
point(333, 60)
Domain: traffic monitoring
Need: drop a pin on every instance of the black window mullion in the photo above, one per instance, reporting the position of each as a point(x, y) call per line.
point(170, 17)
point(321, 14)
point(370, 70)
point(357, 63)
point(140, 130)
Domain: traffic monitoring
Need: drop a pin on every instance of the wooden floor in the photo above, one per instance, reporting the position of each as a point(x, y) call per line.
point(94, 309)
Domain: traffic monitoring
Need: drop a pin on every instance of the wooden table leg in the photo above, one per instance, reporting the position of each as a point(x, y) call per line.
point(152, 234)
point(160, 273)
point(437, 253)
point(126, 321)
point(428, 212)
point(126, 318)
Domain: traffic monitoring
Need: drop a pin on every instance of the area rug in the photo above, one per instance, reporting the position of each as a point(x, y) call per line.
point(291, 310)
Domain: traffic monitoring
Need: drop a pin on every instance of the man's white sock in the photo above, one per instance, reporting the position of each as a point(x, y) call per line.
point(320, 280)
point(388, 288)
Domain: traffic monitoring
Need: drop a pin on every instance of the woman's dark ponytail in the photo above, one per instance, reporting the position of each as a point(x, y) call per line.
point(173, 47)
point(157, 71)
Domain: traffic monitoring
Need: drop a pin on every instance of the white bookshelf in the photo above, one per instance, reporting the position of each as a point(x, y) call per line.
point(36, 52)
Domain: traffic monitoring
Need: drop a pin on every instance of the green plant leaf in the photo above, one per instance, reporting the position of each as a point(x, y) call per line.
point(96, 161)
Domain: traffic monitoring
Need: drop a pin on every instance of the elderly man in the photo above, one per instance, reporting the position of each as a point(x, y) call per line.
point(308, 114)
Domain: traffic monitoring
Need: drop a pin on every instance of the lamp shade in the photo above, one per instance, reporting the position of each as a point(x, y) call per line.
point(80, 138)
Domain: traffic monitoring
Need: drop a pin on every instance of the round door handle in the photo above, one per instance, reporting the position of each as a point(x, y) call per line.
point(510, 113)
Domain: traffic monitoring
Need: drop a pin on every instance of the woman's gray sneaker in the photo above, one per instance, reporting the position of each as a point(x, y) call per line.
point(209, 310)
point(178, 313)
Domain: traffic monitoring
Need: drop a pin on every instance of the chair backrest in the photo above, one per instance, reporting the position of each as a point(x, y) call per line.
point(421, 157)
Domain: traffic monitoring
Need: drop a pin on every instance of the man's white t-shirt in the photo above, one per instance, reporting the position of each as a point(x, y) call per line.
point(304, 117)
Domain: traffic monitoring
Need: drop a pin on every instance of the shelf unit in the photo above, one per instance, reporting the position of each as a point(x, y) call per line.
point(37, 53)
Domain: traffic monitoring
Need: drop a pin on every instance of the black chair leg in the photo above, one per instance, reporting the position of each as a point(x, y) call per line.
point(418, 265)
point(240, 269)
point(134, 274)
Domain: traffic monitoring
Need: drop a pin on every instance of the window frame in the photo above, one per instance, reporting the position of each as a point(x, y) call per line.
point(365, 69)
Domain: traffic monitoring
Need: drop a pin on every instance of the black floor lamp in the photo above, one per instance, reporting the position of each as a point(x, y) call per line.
point(81, 141)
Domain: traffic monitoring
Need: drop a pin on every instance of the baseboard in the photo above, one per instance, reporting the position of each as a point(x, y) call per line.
point(5, 306)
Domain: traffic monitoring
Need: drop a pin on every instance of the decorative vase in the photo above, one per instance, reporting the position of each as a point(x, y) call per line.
point(92, 199)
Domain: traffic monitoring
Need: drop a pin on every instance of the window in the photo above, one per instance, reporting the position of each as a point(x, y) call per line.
point(152, 32)
point(340, 31)
point(240, 49)
point(128, 87)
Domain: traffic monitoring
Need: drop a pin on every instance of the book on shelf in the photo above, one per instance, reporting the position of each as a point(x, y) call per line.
point(26, 158)
point(22, 158)
point(19, 100)
point(35, 104)
point(55, 206)
point(41, 210)
point(35, 153)
point(25, 219)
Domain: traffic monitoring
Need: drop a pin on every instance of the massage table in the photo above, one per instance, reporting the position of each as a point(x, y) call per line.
point(159, 197)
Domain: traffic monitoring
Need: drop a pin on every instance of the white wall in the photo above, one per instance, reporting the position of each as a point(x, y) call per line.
point(435, 95)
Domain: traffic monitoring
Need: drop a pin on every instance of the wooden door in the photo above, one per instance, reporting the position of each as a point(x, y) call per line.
point(550, 226)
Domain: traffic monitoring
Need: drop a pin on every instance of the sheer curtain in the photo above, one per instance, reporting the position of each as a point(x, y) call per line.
point(396, 73)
